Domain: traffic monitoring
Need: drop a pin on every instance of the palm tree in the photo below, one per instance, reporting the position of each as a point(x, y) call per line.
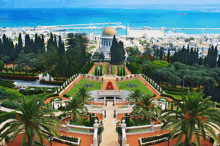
point(83, 93)
point(146, 107)
point(31, 119)
point(76, 106)
point(195, 117)
point(135, 95)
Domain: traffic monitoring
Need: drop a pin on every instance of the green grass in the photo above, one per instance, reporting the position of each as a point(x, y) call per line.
point(139, 84)
point(113, 70)
point(75, 89)
point(77, 122)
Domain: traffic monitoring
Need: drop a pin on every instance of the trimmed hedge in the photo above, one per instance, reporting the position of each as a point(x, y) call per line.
point(170, 96)
point(51, 82)
point(19, 77)
point(51, 95)
point(8, 84)
point(39, 90)
point(156, 137)
point(65, 95)
point(17, 73)
point(86, 68)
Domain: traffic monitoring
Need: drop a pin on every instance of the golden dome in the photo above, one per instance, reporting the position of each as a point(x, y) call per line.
point(110, 31)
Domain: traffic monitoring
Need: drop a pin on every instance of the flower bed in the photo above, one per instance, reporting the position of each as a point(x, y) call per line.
point(88, 85)
point(109, 86)
point(155, 139)
point(109, 69)
point(131, 85)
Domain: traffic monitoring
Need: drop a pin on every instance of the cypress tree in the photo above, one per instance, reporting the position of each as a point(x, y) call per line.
point(42, 44)
point(20, 43)
point(161, 53)
point(96, 71)
point(200, 61)
point(1, 47)
point(168, 56)
point(218, 63)
point(60, 47)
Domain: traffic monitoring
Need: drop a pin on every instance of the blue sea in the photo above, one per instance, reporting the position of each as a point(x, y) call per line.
point(135, 18)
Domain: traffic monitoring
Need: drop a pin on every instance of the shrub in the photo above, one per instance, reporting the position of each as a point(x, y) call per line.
point(19, 77)
point(51, 95)
point(170, 96)
point(9, 104)
point(65, 95)
point(50, 82)
point(8, 84)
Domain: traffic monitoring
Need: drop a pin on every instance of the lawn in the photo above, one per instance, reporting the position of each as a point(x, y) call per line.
point(80, 84)
point(140, 86)
point(113, 70)
point(77, 123)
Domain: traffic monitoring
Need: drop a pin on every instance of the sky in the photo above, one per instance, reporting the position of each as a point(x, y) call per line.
point(94, 3)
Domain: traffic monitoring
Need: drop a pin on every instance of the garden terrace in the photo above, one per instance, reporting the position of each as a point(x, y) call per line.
point(139, 85)
point(112, 69)
point(96, 86)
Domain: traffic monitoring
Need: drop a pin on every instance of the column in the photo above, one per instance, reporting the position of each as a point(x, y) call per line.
point(104, 100)
point(152, 127)
point(103, 112)
point(124, 139)
point(114, 101)
point(95, 136)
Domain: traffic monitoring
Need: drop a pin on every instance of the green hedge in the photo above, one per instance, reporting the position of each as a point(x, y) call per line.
point(8, 84)
point(65, 95)
point(170, 96)
point(60, 99)
point(51, 95)
point(51, 82)
point(39, 90)
point(17, 73)
point(86, 68)
point(156, 137)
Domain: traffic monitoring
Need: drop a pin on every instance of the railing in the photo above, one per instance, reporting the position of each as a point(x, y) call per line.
point(143, 129)
point(69, 82)
point(92, 77)
point(127, 77)
point(80, 129)
point(150, 84)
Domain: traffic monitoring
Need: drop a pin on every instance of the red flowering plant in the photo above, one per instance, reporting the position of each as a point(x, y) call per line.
point(109, 86)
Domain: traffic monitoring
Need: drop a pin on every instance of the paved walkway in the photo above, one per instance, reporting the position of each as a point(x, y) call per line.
point(109, 135)
point(116, 71)
point(92, 69)
point(127, 71)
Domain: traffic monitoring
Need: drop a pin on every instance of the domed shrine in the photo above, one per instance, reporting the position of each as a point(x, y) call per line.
point(106, 40)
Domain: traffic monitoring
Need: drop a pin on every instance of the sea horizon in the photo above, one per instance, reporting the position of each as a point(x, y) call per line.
point(30, 17)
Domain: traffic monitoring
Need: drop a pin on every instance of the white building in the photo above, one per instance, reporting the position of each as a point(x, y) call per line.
point(106, 41)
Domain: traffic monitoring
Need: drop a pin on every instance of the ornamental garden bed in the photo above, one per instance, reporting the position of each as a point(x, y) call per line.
point(38, 90)
point(109, 86)
point(138, 83)
point(146, 141)
point(112, 70)
point(121, 71)
point(96, 86)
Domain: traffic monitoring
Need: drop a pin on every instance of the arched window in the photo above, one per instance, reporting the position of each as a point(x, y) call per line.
point(109, 43)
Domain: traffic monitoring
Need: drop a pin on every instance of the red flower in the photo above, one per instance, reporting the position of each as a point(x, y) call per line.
point(109, 86)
